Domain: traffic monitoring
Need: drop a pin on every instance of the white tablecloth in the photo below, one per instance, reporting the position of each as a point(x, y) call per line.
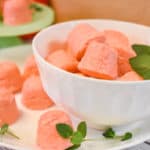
point(138, 147)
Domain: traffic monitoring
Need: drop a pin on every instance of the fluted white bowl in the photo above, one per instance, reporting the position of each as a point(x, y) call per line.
point(99, 102)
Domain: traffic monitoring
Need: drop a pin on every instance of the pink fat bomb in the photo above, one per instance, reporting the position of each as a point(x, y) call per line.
point(63, 60)
point(9, 112)
point(99, 61)
point(47, 135)
point(10, 76)
point(17, 12)
point(30, 67)
point(121, 43)
point(34, 96)
point(123, 66)
point(56, 45)
point(79, 38)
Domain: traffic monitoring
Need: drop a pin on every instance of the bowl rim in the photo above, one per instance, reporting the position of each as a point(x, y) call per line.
point(73, 75)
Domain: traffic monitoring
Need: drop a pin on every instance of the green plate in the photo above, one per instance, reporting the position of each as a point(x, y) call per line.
point(41, 19)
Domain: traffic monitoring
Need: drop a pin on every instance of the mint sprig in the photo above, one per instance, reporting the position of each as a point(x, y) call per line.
point(64, 130)
point(111, 134)
point(126, 136)
point(79, 136)
point(82, 128)
point(76, 137)
point(74, 147)
point(5, 130)
point(141, 49)
point(141, 63)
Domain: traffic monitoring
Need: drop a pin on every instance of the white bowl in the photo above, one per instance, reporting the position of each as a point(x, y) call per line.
point(99, 102)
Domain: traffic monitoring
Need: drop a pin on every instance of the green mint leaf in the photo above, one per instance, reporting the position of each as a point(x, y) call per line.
point(141, 49)
point(82, 128)
point(64, 130)
point(35, 7)
point(126, 136)
point(141, 64)
point(10, 41)
point(73, 147)
point(77, 138)
point(109, 133)
point(4, 129)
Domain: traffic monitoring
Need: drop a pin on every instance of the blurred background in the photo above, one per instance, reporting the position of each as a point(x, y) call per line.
point(136, 11)
point(128, 10)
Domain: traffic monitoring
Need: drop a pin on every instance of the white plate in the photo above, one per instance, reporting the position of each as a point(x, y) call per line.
point(26, 127)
